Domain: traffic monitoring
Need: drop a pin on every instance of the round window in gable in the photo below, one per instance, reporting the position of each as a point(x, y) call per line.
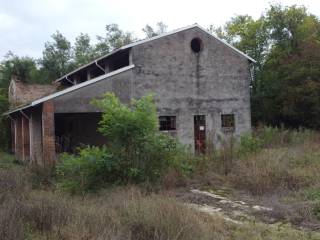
point(196, 45)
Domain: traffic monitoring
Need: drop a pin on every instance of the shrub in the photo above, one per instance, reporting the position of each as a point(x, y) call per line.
point(94, 167)
point(313, 194)
point(136, 151)
point(4, 127)
point(277, 137)
point(85, 171)
point(40, 177)
point(143, 153)
point(249, 144)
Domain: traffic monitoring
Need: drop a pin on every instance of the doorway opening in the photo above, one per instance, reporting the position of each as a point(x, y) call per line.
point(200, 133)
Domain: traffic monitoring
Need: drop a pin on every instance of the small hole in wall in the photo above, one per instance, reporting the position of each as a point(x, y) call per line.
point(196, 45)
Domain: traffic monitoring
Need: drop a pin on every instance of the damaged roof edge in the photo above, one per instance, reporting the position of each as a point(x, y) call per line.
point(70, 89)
point(154, 38)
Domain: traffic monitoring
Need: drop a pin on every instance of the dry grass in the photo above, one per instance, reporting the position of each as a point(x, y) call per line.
point(271, 160)
point(284, 174)
point(278, 169)
point(120, 213)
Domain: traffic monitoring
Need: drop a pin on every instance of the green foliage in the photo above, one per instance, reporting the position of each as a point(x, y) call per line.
point(285, 43)
point(273, 137)
point(114, 38)
point(83, 50)
point(134, 138)
point(127, 125)
point(136, 151)
point(85, 171)
point(249, 144)
point(313, 194)
point(152, 32)
point(25, 68)
point(316, 210)
point(4, 124)
point(6, 160)
point(56, 56)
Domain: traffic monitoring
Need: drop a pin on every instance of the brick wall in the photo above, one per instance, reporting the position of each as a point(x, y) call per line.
point(36, 136)
point(13, 136)
point(18, 134)
point(25, 139)
point(48, 134)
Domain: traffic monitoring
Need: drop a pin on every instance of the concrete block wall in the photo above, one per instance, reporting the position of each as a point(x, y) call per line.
point(212, 82)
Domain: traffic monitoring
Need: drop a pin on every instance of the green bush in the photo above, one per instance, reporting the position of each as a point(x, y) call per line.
point(143, 152)
point(85, 171)
point(4, 126)
point(275, 137)
point(269, 137)
point(249, 144)
point(313, 194)
point(136, 150)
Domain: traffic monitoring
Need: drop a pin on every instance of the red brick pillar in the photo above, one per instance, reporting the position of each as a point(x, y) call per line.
point(36, 136)
point(18, 134)
point(48, 134)
point(13, 136)
point(25, 139)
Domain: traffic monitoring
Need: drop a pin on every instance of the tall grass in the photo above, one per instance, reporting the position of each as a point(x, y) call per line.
point(120, 213)
point(268, 160)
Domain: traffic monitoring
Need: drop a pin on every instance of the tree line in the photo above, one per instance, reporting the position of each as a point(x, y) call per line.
point(60, 56)
point(285, 41)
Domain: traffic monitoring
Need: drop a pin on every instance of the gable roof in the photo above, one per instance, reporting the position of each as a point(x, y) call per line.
point(23, 93)
point(139, 42)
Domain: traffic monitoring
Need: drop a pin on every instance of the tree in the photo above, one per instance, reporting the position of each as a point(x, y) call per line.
point(25, 68)
point(57, 57)
point(113, 39)
point(246, 34)
point(83, 50)
point(288, 90)
point(151, 32)
point(4, 129)
point(286, 85)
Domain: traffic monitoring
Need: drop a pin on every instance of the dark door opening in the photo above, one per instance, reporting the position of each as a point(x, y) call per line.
point(200, 133)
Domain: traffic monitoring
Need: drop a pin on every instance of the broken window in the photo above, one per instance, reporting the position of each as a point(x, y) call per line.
point(228, 122)
point(196, 45)
point(167, 123)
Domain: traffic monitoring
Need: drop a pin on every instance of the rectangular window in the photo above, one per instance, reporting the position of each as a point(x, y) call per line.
point(167, 123)
point(227, 122)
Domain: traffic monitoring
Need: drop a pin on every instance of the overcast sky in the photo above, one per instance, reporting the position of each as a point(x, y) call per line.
point(26, 24)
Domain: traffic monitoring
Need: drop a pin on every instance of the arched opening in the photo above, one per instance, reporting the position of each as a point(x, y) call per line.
point(196, 45)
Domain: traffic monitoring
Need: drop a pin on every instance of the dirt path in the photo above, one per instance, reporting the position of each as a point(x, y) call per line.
point(240, 208)
point(215, 204)
point(231, 209)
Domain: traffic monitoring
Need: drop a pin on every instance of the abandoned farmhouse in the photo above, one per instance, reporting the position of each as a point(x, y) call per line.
point(201, 87)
